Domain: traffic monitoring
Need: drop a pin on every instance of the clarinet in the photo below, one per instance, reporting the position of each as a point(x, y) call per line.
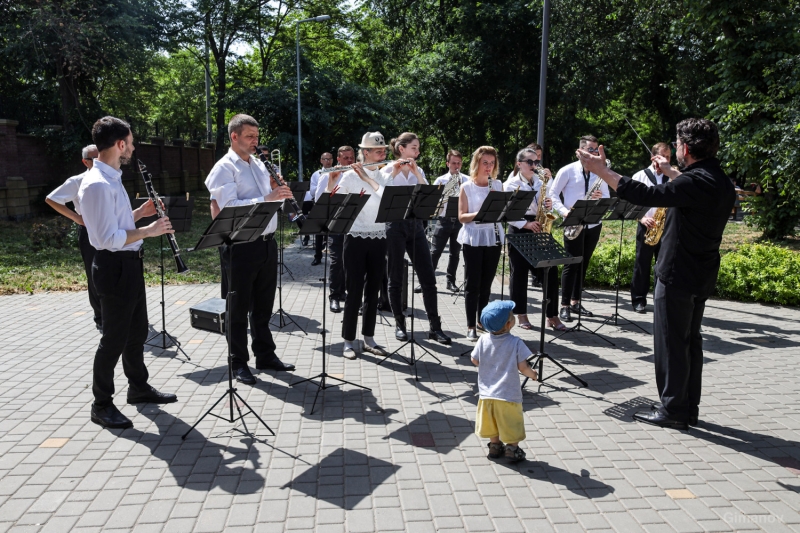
point(151, 192)
point(496, 232)
point(299, 216)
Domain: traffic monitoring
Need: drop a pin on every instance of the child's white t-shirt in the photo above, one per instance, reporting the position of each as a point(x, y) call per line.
point(498, 375)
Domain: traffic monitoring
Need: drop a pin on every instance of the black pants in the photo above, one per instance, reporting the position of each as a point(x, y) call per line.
point(335, 252)
point(306, 207)
point(446, 230)
point(518, 280)
point(253, 276)
point(645, 253)
point(678, 349)
point(408, 236)
point(319, 240)
point(480, 268)
point(364, 265)
point(87, 253)
point(119, 280)
point(573, 276)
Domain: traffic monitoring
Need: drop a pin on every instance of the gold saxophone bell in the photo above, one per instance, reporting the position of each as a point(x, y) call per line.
point(653, 235)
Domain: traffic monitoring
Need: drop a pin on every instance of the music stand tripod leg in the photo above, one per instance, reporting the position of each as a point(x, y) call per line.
point(163, 333)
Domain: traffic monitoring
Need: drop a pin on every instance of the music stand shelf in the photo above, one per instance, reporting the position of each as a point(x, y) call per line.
point(542, 251)
point(232, 226)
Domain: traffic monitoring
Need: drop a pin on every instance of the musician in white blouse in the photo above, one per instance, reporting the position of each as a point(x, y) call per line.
point(447, 229)
point(58, 199)
point(481, 243)
point(574, 182)
point(525, 178)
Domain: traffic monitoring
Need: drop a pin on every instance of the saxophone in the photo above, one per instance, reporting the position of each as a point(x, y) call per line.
point(544, 216)
point(451, 189)
point(572, 232)
point(653, 235)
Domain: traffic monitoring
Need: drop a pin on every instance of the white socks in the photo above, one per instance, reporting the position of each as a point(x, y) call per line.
point(369, 341)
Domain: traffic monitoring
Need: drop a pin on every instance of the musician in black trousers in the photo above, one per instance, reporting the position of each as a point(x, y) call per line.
point(645, 253)
point(698, 201)
point(240, 179)
point(447, 229)
point(118, 273)
point(57, 199)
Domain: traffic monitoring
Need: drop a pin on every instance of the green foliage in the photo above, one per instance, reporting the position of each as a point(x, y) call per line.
point(58, 232)
point(760, 272)
point(602, 269)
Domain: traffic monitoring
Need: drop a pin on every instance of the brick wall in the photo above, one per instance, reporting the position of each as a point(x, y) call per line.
point(26, 169)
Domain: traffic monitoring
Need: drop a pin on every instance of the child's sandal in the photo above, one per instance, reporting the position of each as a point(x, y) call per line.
point(496, 450)
point(514, 454)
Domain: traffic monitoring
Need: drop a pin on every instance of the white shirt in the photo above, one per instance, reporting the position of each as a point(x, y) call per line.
point(641, 177)
point(106, 209)
point(309, 197)
point(442, 180)
point(570, 181)
point(68, 191)
point(365, 225)
point(235, 182)
point(321, 186)
point(514, 182)
point(404, 177)
point(473, 233)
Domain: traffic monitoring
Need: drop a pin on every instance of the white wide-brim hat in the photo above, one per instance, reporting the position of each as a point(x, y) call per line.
point(373, 139)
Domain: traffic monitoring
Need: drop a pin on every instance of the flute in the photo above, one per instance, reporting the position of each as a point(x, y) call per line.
point(299, 216)
point(379, 163)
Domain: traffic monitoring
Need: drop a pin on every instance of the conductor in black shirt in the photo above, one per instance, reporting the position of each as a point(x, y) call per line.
point(698, 201)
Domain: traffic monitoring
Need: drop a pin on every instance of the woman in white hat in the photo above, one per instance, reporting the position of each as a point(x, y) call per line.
point(364, 251)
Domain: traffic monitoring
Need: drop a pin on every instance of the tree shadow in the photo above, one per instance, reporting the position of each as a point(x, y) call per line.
point(582, 485)
point(343, 478)
point(198, 465)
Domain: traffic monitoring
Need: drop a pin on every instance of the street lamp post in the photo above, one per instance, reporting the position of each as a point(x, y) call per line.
point(299, 126)
point(543, 71)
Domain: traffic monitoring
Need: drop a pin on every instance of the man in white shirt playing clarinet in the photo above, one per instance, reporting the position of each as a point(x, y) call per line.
point(240, 179)
point(68, 192)
point(645, 253)
point(574, 183)
point(447, 228)
point(118, 273)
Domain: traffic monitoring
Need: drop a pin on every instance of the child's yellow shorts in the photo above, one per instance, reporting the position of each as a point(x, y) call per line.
point(498, 418)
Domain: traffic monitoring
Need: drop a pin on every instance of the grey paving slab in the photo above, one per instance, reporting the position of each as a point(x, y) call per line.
point(402, 456)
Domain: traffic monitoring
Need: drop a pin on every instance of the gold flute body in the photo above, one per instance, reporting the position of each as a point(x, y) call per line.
point(299, 216)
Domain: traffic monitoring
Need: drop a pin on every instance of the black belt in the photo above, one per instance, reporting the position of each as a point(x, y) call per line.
point(268, 237)
point(125, 254)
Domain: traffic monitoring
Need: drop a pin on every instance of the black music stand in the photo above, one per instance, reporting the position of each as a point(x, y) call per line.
point(503, 207)
point(331, 214)
point(623, 211)
point(410, 202)
point(235, 225)
point(542, 251)
point(451, 212)
point(586, 212)
point(179, 210)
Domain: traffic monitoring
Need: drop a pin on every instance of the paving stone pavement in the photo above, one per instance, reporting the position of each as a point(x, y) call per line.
point(402, 456)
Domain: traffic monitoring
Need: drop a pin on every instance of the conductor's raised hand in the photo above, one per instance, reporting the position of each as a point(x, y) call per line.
point(279, 193)
point(662, 163)
point(593, 163)
point(159, 227)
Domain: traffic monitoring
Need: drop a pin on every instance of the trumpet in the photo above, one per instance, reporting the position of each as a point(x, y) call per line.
point(275, 173)
point(151, 192)
point(344, 168)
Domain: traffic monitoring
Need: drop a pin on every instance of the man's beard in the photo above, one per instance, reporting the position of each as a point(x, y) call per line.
point(681, 162)
point(125, 159)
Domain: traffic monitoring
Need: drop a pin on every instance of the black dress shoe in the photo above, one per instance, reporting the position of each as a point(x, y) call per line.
point(316, 261)
point(150, 395)
point(110, 417)
point(400, 329)
point(452, 287)
point(657, 418)
point(275, 364)
point(335, 306)
point(579, 309)
point(418, 289)
point(243, 375)
point(639, 307)
point(304, 242)
point(692, 419)
point(383, 305)
point(565, 315)
point(436, 333)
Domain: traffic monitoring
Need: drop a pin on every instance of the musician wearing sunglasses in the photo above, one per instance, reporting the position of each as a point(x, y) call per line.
point(408, 237)
point(58, 199)
point(118, 273)
point(447, 229)
point(239, 178)
point(575, 182)
point(525, 178)
point(699, 201)
point(326, 160)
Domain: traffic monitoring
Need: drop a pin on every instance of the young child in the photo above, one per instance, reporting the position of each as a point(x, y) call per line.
point(500, 357)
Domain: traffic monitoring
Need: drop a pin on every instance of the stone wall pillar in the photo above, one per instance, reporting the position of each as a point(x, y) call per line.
point(17, 199)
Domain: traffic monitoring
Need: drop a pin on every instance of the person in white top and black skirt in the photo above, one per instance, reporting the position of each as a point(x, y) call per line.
point(364, 250)
point(574, 182)
point(239, 179)
point(57, 199)
point(408, 236)
point(118, 273)
point(481, 243)
point(525, 178)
